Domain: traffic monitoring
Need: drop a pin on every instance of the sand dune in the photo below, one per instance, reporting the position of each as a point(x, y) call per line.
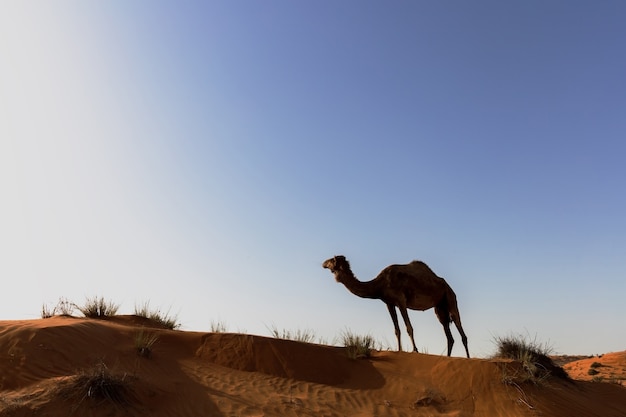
point(221, 374)
point(610, 367)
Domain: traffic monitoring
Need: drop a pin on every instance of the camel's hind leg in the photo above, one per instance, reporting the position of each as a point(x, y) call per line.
point(409, 327)
point(444, 318)
point(457, 322)
point(394, 318)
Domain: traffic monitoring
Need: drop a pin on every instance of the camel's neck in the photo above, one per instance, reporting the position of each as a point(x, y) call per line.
point(356, 287)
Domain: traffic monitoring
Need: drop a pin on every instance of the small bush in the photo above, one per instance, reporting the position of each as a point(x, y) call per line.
point(533, 356)
point(97, 308)
point(63, 308)
point(596, 365)
point(593, 371)
point(99, 385)
point(164, 319)
point(46, 313)
point(143, 310)
point(357, 346)
point(144, 341)
point(218, 327)
point(306, 336)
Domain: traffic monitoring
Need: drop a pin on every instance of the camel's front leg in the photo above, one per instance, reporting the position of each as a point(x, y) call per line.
point(394, 318)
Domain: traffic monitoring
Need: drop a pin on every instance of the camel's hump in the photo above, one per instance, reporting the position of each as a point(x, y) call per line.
point(419, 263)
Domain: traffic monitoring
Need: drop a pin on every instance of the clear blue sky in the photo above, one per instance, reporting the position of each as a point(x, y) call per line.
point(208, 156)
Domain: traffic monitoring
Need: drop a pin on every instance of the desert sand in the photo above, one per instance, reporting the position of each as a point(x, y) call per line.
point(224, 374)
point(610, 367)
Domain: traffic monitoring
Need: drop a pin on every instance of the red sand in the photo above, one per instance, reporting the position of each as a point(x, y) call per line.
point(221, 374)
point(610, 367)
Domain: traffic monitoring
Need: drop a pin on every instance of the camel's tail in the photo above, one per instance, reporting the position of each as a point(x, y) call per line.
point(453, 307)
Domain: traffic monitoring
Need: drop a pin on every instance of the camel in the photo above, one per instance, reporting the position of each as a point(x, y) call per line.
point(412, 286)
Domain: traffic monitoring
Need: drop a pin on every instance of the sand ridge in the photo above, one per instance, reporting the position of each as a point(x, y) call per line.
point(226, 374)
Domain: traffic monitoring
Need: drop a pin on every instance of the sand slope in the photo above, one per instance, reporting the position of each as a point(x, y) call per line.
point(220, 374)
point(610, 367)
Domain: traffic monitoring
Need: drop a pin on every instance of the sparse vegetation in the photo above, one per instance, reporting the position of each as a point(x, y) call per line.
point(357, 346)
point(46, 312)
point(429, 398)
point(144, 341)
point(98, 308)
point(218, 327)
point(533, 357)
point(593, 371)
point(63, 308)
point(596, 365)
point(99, 385)
point(164, 319)
point(306, 336)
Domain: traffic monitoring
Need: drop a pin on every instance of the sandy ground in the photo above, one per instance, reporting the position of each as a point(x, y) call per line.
point(44, 365)
point(610, 367)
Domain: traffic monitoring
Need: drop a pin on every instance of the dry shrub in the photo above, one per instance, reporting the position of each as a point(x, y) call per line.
point(357, 346)
point(144, 342)
point(533, 356)
point(305, 336)
point(100, 386)
point(97, 308)
point(163, 319)
point(64, 307)
point(218, 327)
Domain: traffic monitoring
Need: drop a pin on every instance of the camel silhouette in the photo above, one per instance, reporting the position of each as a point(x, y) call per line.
point(412, 286)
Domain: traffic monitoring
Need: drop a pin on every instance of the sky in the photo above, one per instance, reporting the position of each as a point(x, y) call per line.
point(207, 157)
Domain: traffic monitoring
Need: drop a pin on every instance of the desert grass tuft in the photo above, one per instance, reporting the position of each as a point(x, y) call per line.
point(46, 312)
point(144, 342)
point(357, 346)
point(537, 366)
point(63, 308)
point(299, 335)
point(218, 327)
point(99, 385)
point(163, 319)
point(98, 308)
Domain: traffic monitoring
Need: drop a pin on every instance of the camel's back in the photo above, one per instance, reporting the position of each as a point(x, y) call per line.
point(417, 282)
point(412, 272)
point(415, 268)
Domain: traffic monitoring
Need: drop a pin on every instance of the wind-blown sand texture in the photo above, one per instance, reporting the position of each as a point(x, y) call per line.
point(222, 374)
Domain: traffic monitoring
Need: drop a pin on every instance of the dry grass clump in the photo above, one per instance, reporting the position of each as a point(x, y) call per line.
point(163, 319)
point(534, 357)
point(144, 342)
point(218, 327)
point(99, 385)
point(63, 308)
point(98, 308)
point(357, 346)
point(305, 336)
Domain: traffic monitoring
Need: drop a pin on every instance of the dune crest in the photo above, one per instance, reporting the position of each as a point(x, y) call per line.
point(224, 374)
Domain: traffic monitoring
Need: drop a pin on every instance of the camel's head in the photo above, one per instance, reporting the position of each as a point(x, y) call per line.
point(336, 264)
